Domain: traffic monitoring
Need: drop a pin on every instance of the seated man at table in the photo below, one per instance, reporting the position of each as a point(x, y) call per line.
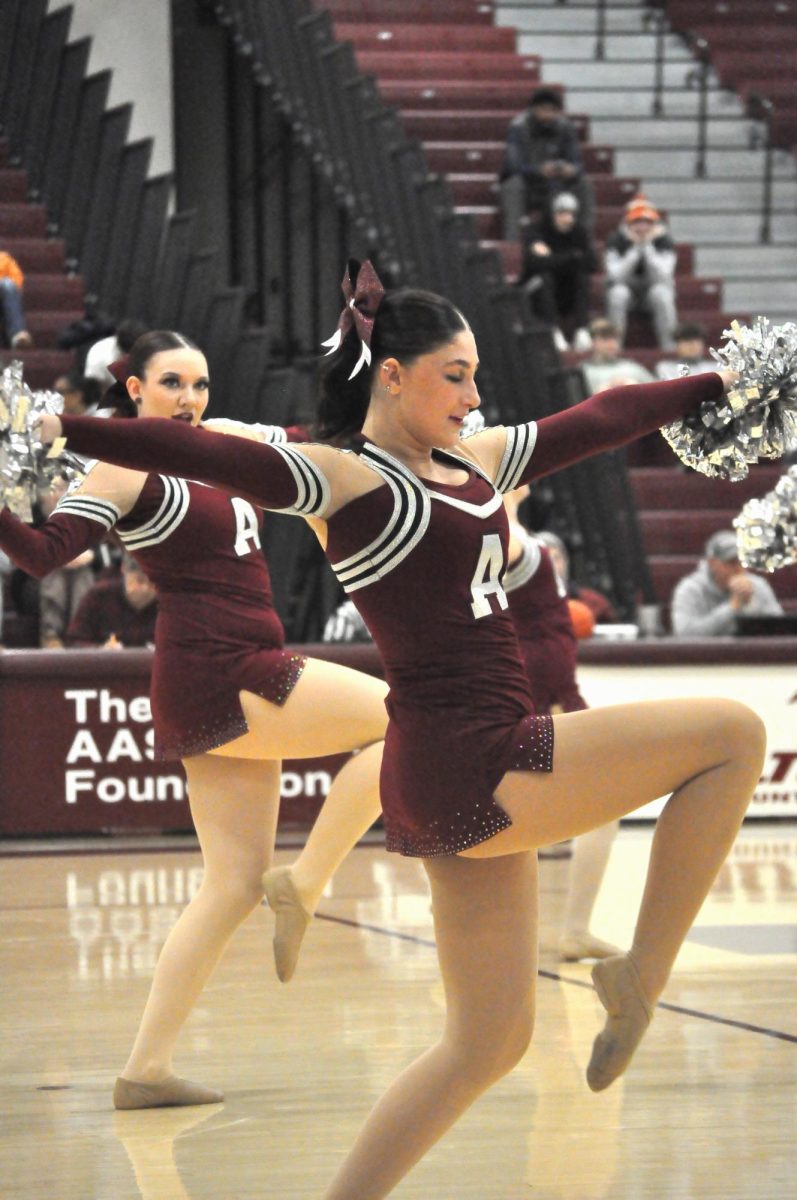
point(116, 613)
point(707, 602)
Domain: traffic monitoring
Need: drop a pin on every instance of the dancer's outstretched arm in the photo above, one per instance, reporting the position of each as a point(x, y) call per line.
point(521, 453)
point(312, 481)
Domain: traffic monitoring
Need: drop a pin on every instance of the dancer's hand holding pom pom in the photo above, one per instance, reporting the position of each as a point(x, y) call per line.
point(758, 416)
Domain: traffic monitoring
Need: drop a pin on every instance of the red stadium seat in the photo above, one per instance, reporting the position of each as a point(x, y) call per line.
point(457, 12)
point(463, 157)
point(425, 36)
point(478, 125)
point(421, 95)
point(439, 65)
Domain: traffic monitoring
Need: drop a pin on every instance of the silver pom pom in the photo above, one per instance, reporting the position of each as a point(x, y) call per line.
point(758, 417)
point(26, 465)
point(473, 423)
point(766, 528)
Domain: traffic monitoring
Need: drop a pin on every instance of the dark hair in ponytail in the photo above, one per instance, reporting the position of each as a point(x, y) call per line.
point(408, 323)
point(141, 353)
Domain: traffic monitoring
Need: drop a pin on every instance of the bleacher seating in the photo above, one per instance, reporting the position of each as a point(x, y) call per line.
point(753, 49)
point(678, 510)
point(457, 86)
point(78, 202)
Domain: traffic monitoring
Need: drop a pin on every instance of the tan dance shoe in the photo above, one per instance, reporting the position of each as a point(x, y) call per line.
point(629, 1014)
point(291, 919)
point(169, 1093)
point(575, 946)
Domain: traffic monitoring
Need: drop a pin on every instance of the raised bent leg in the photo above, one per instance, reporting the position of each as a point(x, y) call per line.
point(331, 709)
point(293, 891)
point(708, 754)
point(485, 917)
point(234, 805)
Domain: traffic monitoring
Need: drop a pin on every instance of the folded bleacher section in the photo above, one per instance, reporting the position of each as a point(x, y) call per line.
point(88, 222)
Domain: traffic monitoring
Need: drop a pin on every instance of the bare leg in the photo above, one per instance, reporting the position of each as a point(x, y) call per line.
point(234, 805)
point(708, 754)
point(293, 891)
point(486, 932)
point(234, 793)
point(587, 867)
point(331, 709)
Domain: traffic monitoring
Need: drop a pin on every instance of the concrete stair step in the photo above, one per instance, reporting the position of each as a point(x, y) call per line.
point(637, 101)
point(635, 72)
point(760, 293)
point(570, 18)
point(721, 162)
point(708, 227)
point(663, 132)
point(618, 48)
point(722, 195)
point(737, 262)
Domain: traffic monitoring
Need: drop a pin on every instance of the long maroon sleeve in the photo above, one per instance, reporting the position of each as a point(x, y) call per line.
point(60, 540)
point(603, 422)
point(272, 476)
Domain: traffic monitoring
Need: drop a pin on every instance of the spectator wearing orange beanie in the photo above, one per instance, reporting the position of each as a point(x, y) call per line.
point(640, 266)
point(11, 305)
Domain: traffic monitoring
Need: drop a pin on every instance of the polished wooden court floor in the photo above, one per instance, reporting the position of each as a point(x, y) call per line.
point(708, 1110)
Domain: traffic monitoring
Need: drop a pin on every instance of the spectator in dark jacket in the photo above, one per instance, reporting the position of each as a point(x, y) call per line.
point(640, 265)
point(557, 263)
point(542, 159)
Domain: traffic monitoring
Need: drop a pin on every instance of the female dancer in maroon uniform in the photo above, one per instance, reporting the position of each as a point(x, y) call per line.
point(548, 645)
point(417, 533)
point(226, 697)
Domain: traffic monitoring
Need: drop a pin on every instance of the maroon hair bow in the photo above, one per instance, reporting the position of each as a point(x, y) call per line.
point(120, 369)
point(363, 292)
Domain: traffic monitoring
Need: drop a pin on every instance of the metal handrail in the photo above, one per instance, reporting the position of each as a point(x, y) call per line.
point(762, 109)
point(699, 75)
point(660, 22)
point(600, 31)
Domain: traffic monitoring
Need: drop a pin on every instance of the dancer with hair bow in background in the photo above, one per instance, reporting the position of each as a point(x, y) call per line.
point(227, 698)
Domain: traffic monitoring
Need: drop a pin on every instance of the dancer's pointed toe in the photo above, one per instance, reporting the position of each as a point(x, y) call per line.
point(629, 1013)
point(291, 919)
